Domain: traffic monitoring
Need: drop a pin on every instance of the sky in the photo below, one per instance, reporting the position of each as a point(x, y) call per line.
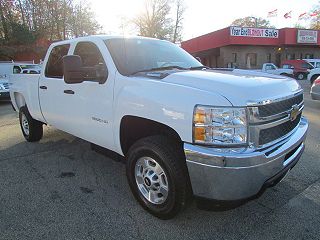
point(202, 16)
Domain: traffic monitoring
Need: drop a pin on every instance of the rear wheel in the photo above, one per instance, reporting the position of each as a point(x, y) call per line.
point(158, 177)
point(300, 76)
point(32, 129)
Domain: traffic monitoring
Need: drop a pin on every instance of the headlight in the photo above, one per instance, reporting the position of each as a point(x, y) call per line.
point(224, 126)
point(2, 87)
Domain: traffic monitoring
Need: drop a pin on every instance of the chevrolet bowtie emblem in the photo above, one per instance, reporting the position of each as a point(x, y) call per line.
point(294, 112)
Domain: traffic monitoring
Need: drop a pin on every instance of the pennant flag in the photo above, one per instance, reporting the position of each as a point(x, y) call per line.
point(273, 13)
point(303, 16)
point(287, 15)
point(314, 14)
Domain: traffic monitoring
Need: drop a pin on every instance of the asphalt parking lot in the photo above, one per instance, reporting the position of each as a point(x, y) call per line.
point(60, 189)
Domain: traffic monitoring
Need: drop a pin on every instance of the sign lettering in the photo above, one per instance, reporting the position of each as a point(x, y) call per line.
point(254, 32)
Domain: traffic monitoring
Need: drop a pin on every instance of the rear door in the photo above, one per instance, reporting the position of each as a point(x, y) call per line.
point(51, 85)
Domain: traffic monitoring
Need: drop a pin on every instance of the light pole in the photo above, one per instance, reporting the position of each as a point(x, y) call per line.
point(255, 21)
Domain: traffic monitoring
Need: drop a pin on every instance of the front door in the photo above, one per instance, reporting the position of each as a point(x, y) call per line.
point(89, 103)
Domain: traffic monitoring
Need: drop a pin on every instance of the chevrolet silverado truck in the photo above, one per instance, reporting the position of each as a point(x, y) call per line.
point(184, 129)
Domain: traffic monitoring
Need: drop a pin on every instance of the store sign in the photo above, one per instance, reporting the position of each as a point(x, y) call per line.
point(254, 32)
point(307, 36)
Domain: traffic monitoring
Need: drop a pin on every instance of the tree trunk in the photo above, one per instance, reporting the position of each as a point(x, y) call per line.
point(3, 22)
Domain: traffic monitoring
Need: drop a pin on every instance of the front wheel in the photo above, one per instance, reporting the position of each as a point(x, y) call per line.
point(157, 175)
point(32, 129)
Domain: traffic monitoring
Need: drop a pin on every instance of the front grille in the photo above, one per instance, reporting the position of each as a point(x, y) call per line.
point(274, 133)
point(279, 107)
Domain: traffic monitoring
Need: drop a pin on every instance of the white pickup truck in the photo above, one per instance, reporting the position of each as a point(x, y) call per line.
point(185, 130)
point(273, 69)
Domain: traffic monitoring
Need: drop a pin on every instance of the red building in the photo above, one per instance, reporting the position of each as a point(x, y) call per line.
point(251, 47)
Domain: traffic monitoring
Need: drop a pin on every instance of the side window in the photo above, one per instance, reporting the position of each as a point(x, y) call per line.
point(54, 68)
point(92, 59)
point(16, 69)
point(318, 65)
point(286, 66)
point(270, 67)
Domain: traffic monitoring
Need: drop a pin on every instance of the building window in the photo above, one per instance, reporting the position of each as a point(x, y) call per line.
point(309, 55)
point(269, 57)
point(234, 57)
point(251, 60)
point(290, 56)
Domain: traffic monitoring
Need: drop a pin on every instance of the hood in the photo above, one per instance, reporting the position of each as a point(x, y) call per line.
point(240, 87)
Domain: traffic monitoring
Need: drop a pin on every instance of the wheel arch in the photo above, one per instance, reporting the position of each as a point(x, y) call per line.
point(19, 100)
point(133, 128)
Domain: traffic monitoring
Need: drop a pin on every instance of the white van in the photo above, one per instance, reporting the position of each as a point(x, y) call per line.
point(313, 62)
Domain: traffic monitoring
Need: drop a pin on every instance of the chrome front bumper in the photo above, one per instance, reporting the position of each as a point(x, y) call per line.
point(237, 175)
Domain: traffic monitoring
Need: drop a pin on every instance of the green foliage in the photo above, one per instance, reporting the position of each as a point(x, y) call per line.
point(20, 34)
point(25, 21)
point(252, 22)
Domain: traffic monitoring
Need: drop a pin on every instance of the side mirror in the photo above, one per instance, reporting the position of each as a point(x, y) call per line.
point(72, 69)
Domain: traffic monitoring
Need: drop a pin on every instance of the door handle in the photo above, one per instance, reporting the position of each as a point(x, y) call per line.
point(43, 87)
point(68, 92)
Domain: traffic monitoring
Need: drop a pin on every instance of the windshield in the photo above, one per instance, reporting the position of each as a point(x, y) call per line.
point(134, 55)
point(307, 65)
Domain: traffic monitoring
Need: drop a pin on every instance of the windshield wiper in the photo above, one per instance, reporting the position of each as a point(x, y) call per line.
point(199, 68)
point(159, 69)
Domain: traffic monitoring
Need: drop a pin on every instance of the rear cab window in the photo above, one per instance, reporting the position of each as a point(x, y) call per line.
point(54, 68)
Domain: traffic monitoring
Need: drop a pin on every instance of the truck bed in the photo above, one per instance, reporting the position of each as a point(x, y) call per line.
point(24, 90)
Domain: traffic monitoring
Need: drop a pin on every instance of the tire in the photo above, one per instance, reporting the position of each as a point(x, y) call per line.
point(313, 78)
point(154, 152)
point(32, 129)
point(300, 76)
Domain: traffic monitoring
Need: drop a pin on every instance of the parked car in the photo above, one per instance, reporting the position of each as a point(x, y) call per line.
point(4, 89)
point(183, 128)
point(314, 62)
point(301, 68)
point(273, 69)
point(313, 75)
point(315, 89)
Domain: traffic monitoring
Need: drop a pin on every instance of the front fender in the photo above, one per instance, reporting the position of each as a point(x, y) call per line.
point(166, 103)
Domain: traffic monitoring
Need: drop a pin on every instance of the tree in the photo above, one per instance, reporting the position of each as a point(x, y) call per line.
point(154, 21)
point(315, 21)
point(177, 32)
point(45, 19)
point(252, 22)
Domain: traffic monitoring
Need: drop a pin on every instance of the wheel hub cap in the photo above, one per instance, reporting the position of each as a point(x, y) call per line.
point(25, 124)
point(151, 180)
